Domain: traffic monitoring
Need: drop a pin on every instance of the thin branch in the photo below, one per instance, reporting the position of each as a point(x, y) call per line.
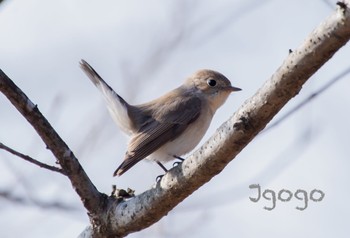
point(328, 3)
point(8, 195)
point(92, 199)
point(308, 99)
point(31, 160)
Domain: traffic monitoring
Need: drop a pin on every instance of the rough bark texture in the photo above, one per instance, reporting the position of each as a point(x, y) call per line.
point(113, 218)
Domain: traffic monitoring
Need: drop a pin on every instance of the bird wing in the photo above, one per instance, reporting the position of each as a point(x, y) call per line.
point(164, 128)
point(117, 106)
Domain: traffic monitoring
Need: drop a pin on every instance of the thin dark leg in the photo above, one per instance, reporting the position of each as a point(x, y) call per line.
point(178, 157)
point(162, 166)
point(176, 163)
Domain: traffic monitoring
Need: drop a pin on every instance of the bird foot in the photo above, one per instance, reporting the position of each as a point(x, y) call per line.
point(176, 163)
point(159, 177)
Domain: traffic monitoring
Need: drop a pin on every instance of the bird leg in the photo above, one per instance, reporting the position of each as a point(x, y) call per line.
point(159, 177)
point(162, 166)
point(176, 163)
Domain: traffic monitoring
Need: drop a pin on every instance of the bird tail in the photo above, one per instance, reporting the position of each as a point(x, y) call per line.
point(125, 166)
point(117, 106)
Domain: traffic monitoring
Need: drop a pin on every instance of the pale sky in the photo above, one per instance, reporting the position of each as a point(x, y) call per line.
point(143, 49)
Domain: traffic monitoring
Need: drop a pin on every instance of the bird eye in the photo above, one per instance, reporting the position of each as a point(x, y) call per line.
point(211, 82)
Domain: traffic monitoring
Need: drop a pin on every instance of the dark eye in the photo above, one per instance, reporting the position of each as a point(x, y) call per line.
point(211, 82)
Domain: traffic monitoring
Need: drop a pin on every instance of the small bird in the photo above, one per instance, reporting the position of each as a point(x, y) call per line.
point(169, 126)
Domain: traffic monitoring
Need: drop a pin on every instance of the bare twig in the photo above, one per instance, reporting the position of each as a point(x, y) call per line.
point(308, 99)
point(31, 160)
point(92, 199)
point(328, 3)
point(6, 194)
point(235, 14)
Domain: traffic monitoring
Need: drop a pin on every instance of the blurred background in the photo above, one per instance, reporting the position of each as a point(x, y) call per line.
point(143, 49)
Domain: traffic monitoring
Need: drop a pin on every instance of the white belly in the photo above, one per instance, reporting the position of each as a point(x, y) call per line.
point(186, 142)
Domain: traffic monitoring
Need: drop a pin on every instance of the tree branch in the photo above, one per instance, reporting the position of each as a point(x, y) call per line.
point(117, 217)
point(309, 99)
point(93, 201)
point(31, 160)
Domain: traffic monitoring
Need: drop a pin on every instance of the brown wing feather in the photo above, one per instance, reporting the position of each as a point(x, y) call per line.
point(158, 132)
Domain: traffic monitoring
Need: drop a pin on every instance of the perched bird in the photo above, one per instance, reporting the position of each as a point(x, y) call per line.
point(169, 126)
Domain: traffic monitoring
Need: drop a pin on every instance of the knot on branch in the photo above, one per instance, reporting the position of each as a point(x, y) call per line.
point(243, 124)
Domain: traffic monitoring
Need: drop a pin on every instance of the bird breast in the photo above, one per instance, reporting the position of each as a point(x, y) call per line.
point(185, 142)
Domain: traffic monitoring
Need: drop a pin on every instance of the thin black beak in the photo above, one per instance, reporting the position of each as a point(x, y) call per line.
point(234, 89)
